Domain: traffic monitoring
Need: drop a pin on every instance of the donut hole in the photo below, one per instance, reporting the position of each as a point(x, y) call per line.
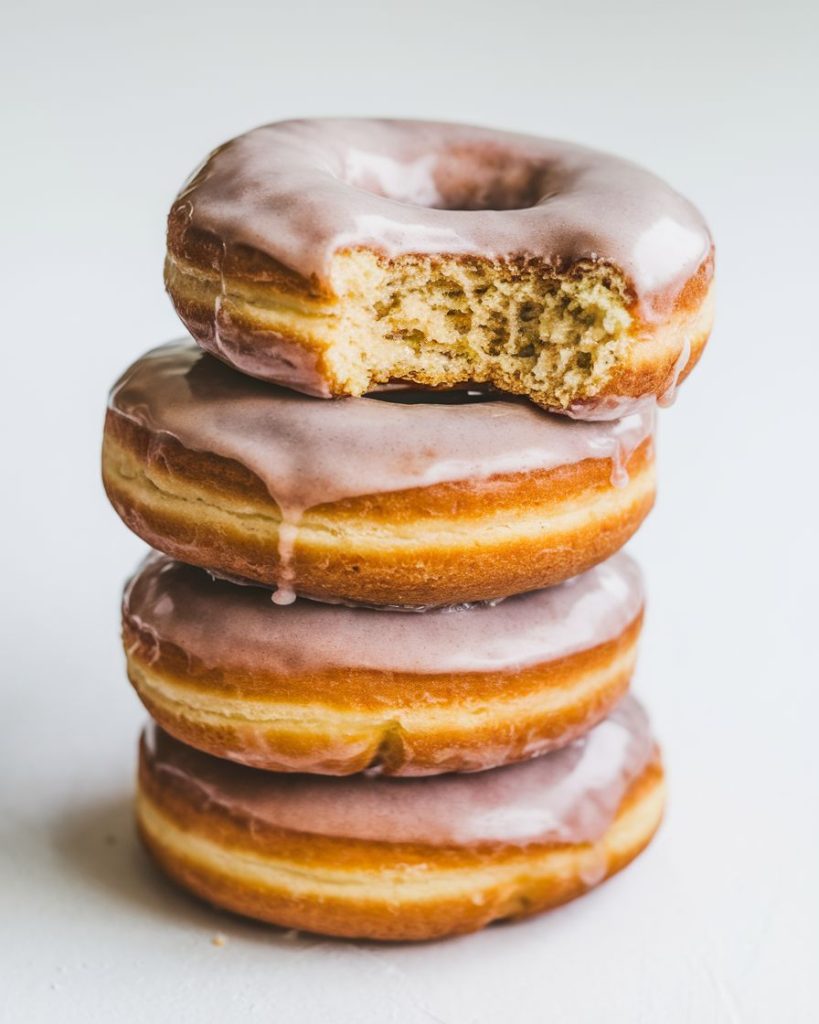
point(460, 178)
point(408, 394)
point(490, 178)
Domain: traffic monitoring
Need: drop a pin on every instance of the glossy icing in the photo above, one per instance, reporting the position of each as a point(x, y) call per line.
point(568, 796)
point(220, 626)
point(308, 451)
point(301, 191)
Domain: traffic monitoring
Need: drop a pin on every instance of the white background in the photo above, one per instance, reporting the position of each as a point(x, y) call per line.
point(109, 108)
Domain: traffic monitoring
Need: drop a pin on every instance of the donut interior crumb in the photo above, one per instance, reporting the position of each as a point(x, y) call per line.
point(444, 320)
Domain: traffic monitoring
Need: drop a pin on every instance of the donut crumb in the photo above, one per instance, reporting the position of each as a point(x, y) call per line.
point(442, 320)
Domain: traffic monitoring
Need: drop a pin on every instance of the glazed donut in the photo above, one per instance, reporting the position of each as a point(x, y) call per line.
point(333, 255)
point(405, 498)
point(402, 858)
point(336, 690)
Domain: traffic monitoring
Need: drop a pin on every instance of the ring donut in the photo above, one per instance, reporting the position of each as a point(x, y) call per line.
point(333, 255)
point(402, 858)
point(336, 690)
point(406, 498)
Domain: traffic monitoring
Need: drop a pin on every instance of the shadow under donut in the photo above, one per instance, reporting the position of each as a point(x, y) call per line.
point(100, 849)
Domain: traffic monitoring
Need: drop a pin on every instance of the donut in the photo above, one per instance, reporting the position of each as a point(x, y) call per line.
point(333, 255)
point(335, 690)
point(401, 859)
point(402, 498)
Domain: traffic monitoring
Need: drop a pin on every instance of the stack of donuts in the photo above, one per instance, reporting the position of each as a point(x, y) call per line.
point(386, 633)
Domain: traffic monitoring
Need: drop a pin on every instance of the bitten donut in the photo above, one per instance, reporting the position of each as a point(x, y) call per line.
point(402, 858)
point(333, 255)
point(336, 690)
point(405, 498)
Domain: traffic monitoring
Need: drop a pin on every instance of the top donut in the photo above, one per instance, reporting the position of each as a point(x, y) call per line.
point(332, 256)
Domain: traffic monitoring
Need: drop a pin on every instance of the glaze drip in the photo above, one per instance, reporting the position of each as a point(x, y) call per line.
point(221, 626)
point(310, 452)
point(669, 396)
point(568, 796)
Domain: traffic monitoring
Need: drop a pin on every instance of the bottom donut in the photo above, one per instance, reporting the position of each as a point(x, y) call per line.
point(402, 859)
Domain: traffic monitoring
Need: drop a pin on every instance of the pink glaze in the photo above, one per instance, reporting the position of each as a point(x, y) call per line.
point(301, 191)
point(310, 452)
point(568, 796)
point(221, 626)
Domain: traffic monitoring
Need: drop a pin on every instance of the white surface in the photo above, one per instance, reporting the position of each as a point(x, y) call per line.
point(111, 106)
